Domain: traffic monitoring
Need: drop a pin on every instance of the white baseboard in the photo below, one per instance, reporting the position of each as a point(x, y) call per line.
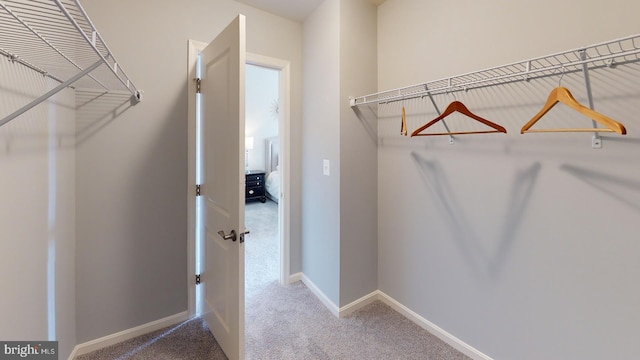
point(360, 303)
point(295, 277)
point(320, 295)
point(443, 335)
point(74, 353)
point(453, 341)
point(433, 328)
point(335, 310)
point(124, 335)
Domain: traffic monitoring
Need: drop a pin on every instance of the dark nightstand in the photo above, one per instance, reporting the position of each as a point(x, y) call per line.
point(254, 185)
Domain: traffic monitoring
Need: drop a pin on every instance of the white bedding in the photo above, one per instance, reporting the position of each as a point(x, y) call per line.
point(273, 185)
point(272, 167)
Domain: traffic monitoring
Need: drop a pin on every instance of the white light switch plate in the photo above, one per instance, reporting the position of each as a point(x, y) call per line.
point(325, 167)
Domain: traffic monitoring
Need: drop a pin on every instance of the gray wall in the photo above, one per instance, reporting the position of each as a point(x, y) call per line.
point(321, 133)
point(37, 216)
point(358, 152)
point(340, 210)
point(523, 246)
point(132, 173)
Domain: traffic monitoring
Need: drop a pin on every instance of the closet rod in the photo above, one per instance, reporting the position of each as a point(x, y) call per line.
point(606, 54)
point(15, 59)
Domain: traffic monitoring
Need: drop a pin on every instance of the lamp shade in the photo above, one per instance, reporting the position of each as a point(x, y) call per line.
point(248, 143)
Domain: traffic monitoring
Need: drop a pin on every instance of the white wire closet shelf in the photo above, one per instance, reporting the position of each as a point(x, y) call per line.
point(57, 39)
point(606, 54)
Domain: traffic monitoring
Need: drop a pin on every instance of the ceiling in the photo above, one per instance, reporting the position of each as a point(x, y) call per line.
point(297, 10)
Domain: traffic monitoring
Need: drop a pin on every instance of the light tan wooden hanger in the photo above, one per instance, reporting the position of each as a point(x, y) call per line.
point(562, 94)
point(403, 127)
point(459, 107)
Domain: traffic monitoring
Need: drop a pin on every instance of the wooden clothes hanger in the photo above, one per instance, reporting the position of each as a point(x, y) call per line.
point(459, 107)
point(562, 94)
point(403, 127)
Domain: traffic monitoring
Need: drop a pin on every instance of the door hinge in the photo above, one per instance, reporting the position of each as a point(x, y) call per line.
point(198, 190)
point(198, 281)
point(198, 85)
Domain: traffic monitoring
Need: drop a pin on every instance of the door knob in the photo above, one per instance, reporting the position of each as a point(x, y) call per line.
point(231, 236)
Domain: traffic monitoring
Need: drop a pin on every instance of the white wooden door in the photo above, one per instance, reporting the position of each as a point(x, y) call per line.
point(222, 114)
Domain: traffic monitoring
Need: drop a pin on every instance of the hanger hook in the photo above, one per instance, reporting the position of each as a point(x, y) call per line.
point(561, 76)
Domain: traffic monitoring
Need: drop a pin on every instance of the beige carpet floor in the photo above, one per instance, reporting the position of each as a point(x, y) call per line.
point(288, 322)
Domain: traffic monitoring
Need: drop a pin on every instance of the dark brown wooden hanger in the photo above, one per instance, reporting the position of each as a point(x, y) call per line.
point(563, 95)
point(459, 107)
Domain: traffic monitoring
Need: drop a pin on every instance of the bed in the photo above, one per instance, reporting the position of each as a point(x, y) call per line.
point(272, 168)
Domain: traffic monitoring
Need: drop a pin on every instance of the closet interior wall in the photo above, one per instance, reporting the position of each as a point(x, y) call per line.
point(59, 85)
point(521, 246)
point(37, 212)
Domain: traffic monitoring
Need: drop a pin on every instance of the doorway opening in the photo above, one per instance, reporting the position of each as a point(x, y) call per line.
point(280, 148)
point(262, 185)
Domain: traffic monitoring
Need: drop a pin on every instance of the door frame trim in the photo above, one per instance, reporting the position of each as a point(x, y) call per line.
point(194, 48)
point(284, 133)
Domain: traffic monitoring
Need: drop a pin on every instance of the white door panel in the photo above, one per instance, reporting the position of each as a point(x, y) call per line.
point(222, 113)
